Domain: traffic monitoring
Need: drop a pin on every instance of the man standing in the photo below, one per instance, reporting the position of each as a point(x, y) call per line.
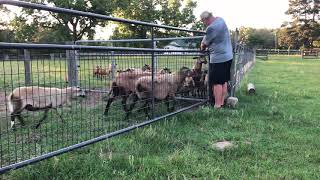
point(217, 40)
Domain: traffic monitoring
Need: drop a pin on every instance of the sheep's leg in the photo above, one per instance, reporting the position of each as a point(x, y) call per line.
point(110, 100)
point(43, 118)
point(124, 103)
point(146, 108)
point(168, 103)
point(56, 110)
point(135, 99)
point(21, 119)
point(13, 117)
point(173, 104)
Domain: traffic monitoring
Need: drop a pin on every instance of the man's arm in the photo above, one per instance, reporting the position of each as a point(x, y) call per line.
point(203, 46)
point(208, 38)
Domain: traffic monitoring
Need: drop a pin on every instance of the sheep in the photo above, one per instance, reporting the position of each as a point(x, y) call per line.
point(123, 86)
point(187, 86)
point(165, 87)
point(96, 71)
point(100, 72)
point(35, 98)
point(197, 74)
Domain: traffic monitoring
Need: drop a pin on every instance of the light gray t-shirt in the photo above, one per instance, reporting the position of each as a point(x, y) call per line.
point(218, 41)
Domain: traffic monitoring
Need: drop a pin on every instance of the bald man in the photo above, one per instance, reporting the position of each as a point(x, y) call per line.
point(217, 41)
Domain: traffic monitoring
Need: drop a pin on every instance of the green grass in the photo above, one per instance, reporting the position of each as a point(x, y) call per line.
point(281, 122)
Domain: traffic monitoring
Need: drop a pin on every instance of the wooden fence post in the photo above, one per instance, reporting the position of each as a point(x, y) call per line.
point(27, 67)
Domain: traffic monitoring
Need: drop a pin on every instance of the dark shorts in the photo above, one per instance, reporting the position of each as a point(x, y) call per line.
point(220, 72)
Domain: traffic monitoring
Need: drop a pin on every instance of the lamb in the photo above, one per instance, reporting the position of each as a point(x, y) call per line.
point(165, 87)
point(34, 98)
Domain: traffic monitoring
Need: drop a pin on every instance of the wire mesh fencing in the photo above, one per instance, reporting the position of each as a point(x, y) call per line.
point(54, 99)
point(244, 59)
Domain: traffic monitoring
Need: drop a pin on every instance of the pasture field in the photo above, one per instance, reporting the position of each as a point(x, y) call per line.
point(276, 132)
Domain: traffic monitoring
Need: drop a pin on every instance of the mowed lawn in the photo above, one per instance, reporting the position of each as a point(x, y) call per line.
point(276, 132)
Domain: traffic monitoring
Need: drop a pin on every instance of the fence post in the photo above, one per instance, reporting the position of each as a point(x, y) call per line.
point(72, 58)
point(27, 68)
point(113, 66)
point(153, 59)
point(234, 65)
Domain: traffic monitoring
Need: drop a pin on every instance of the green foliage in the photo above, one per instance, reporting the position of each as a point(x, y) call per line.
point(305, 24)
point(257, 38)
point(167, 12)
point(47, 26)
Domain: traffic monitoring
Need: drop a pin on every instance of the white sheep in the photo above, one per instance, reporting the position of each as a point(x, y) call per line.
point(35, 98)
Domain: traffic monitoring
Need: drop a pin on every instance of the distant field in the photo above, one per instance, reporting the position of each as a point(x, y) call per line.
point(52, 73)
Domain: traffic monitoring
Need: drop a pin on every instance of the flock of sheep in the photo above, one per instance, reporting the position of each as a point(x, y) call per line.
point(132, 82)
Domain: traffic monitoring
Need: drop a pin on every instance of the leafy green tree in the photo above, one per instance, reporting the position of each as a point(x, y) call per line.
point(167, 12)
point(66, 26)
point(258, 38)
point(305, 22)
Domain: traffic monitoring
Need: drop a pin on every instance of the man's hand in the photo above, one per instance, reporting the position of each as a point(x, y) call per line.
point(203, 47)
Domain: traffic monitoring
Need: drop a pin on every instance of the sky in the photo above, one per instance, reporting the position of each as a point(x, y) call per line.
point(237, 13)
point(248, 13)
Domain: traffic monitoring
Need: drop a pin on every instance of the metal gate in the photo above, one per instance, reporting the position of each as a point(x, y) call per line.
point(57, 98)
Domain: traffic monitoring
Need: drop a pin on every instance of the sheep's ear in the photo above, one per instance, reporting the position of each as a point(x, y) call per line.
point(196, 57)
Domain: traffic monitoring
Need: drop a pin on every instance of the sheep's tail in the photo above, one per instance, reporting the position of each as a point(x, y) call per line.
point(9, 102)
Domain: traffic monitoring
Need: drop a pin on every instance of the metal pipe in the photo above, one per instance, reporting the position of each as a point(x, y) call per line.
point(81, 47)
point(88, 14)
point(91, 141)
point(139, 40)
point(190, 99)
point(153, 70)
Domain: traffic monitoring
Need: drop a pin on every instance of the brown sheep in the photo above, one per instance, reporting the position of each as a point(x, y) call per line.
point(165, 87)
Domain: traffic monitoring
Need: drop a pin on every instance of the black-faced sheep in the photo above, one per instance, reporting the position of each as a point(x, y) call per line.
point(34, 98)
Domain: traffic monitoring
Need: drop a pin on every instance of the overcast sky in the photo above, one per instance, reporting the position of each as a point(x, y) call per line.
point(249, 13)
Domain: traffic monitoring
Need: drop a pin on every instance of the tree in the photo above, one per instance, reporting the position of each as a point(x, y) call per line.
point(305, 22)
point(167, 12)
point(257, 38)
point(3, 11)
point(67, 26)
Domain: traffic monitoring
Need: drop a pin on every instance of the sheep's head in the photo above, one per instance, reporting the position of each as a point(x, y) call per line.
point(184, 72)
point(199, 61)
point(76, 92)
point(188, 82)
point(146, 67)
point(165, 71)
